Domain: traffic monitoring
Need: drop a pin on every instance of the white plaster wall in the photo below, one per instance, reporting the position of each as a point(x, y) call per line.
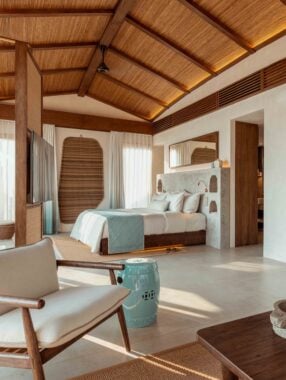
point(275, 176)
point(273, 102)
point(103, 138)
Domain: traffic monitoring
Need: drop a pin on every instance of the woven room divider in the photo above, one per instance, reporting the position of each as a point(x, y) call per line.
point(82, 177)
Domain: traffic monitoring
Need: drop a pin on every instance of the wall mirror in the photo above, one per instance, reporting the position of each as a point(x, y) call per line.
point(199, 150)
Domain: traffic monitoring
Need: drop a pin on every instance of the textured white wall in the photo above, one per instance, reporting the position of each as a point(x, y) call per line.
point(275, 176)
point(273, 102)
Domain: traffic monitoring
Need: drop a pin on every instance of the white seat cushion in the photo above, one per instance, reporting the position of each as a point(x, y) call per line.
point(67, 313)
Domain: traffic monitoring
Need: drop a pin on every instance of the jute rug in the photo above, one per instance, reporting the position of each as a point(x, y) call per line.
point(190, 361)
point(70, 249)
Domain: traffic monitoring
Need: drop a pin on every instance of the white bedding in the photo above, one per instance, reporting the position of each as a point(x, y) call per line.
point(93, 227)
point(157, 222)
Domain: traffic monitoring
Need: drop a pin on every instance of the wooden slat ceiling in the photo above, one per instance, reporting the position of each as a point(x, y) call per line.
point(158, 51)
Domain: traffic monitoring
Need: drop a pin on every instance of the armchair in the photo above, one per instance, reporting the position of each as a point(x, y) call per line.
point(37, 319)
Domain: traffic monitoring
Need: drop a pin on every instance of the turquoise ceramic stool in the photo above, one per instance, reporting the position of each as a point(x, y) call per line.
point(141, 276)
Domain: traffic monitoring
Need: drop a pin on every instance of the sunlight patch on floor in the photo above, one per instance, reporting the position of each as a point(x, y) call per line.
point(181, 311)
point(185, 298)
point(111, 346)
point(243, 266)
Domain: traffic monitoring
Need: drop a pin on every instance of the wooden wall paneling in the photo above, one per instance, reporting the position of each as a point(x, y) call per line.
point(80, 121)
point(81, 179)
point(246, 165)
point(21, 111)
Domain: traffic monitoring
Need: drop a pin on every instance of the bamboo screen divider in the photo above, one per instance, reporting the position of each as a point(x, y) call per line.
point(81, 179)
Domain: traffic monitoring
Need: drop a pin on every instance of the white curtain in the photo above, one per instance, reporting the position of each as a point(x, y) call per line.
point(131, 170)
point(7, 170)
point(51, 208)
point(116, 183)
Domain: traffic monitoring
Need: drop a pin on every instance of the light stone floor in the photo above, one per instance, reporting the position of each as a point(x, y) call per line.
point(199, 288)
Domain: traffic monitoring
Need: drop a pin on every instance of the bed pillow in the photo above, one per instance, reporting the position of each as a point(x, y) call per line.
point(176, 201)
point(159, 197)
point(159, 205)
point(191, 203)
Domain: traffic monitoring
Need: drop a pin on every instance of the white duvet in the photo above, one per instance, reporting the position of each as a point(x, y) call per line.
point(91, 228)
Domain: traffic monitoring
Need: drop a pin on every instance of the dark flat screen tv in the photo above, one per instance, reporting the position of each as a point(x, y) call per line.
point(40, 169)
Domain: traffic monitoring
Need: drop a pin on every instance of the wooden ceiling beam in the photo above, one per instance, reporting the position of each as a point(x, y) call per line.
point(109, 33)
point(178, 50)
point(64, 45)
point(83, 121)
point(212, 20)
point(113, 104)
point(48, 71)
point(120, 54)
point(54, 12)
point(50, 93)
point(134, 89)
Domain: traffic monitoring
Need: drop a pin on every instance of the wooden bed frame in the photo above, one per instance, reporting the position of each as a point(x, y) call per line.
point(155, 241)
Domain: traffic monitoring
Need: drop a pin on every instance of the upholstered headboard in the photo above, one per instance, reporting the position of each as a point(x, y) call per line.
point(214, 185)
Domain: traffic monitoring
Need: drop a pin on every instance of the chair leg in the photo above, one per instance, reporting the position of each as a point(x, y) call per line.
point(32, 346)
point(123, 328)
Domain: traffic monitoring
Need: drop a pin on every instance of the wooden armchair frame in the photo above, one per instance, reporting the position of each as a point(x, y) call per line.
point(33, 357)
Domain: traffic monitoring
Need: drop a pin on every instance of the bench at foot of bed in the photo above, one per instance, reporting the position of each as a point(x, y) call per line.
point(155, 241)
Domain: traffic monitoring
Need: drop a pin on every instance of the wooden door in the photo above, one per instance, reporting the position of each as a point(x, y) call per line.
point(246, 165)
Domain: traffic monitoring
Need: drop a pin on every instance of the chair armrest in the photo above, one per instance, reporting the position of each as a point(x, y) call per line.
point(23, 302)
point(89, 264)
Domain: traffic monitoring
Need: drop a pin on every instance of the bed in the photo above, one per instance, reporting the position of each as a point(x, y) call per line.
point(160, 229)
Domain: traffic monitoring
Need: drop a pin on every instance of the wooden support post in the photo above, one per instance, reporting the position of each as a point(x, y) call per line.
point(21, 118)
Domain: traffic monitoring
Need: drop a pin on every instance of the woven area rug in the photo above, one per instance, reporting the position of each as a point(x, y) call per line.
point(70, 249)
point(190, 361)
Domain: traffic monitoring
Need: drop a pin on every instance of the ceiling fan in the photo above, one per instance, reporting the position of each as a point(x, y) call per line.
point(102, 67)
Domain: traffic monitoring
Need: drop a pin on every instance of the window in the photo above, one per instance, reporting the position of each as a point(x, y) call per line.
point(7, 170)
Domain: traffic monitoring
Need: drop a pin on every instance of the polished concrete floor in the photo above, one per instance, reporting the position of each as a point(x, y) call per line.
point(200, 287)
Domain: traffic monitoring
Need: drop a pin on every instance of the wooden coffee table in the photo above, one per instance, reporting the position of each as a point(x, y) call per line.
point(247, 348)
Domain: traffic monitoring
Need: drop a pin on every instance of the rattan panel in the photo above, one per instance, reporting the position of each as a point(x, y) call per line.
point(82, 178)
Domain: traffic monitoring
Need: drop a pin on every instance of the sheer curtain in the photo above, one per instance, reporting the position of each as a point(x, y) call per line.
point(131, 168)
point(116, 182)
point(51, 208)
point(7, 170)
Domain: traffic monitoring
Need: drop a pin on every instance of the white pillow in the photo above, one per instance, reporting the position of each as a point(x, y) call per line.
point(176, 201)
point(160, 205)
point(159, 197)
point(191, 203)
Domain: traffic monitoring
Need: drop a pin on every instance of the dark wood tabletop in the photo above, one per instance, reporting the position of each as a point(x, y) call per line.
point(247, 348)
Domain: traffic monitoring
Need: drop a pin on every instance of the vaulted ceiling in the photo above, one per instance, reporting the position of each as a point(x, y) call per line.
point(158, 50)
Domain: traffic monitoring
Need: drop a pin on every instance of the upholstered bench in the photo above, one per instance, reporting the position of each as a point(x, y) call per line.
point(37, 319)
point(7, 229)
